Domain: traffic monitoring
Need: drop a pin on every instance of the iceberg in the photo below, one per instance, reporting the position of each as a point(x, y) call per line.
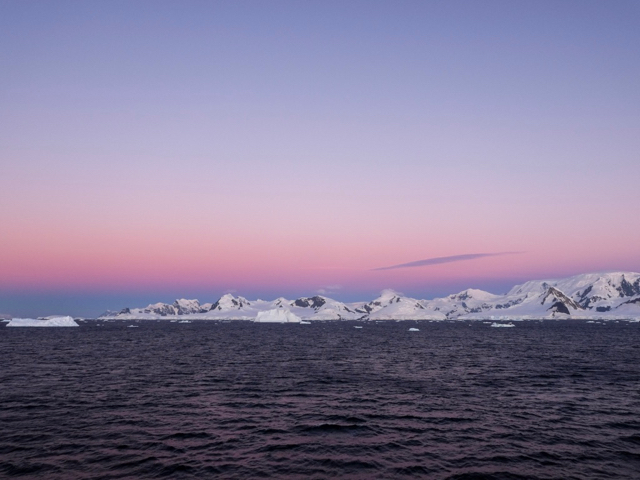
point(277, 315)
point(414, 329)
point(48, 322)
point(495, 324)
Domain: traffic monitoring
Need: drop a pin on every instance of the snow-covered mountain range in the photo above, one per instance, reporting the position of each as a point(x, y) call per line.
point(593, 295)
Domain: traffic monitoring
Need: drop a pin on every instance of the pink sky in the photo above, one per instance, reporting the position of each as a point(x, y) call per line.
point(144, 151)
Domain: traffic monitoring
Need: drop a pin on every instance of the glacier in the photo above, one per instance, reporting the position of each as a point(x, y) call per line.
point(591, 296)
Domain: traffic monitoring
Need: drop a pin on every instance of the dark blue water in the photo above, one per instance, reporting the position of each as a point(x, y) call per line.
point(242, 400)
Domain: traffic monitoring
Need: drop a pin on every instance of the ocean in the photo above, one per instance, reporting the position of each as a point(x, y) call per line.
point(454, 400)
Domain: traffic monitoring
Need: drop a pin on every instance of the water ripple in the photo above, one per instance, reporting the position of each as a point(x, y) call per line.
point(237, 400)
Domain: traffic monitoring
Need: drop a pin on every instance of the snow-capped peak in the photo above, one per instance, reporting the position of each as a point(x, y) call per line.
point(315, 302)
point(229, 302)
point(473, 294)
point(185, 307)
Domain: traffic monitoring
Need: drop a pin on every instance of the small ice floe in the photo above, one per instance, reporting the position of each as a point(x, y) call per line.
point(184, 321)
point(357, 326)
point(414, 329)
point(302, 322)
point(495, 324)
point(47, 322)
point(133, 326)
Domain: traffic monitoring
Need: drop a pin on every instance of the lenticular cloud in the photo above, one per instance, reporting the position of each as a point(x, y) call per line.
point(439, 260)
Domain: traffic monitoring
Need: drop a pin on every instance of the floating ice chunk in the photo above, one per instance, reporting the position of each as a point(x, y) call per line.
point(277, 315)
point(414, 329)
point(49, 322)
point(494, 324)
point(133, 326)
point(357, 326)
point(305, 323)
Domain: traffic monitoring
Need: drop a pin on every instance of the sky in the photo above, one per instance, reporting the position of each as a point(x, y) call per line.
point(153, 150)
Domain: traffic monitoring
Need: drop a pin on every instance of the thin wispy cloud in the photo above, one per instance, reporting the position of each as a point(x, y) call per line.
point(449, 259)
point(329, 289)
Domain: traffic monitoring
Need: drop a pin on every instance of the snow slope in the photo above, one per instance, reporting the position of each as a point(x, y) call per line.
point(604, 295)
point(391, 305)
